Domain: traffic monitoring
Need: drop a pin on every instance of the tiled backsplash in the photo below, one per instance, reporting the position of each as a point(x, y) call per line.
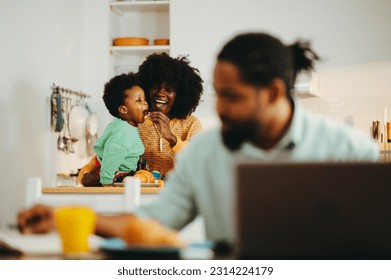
point(353, 94)
point(357, 111)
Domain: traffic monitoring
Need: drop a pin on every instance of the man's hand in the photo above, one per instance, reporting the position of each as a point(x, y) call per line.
point(38, 219)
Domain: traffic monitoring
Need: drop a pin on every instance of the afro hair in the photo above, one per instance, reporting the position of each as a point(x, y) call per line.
point(161, 68)
point(114, 92)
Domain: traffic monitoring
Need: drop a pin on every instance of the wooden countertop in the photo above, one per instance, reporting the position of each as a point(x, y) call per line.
point(145, 189)
point(57, 190)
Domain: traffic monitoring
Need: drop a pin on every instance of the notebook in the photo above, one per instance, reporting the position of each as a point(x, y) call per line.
point(313, 211)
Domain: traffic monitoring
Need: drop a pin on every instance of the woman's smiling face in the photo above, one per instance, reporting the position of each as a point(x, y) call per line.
point(162, 98)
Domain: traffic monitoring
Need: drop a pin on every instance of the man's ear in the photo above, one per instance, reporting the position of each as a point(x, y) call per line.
point(277, 90)
point(122, 110)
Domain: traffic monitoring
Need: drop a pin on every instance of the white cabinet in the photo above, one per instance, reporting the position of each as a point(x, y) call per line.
point(145, 19)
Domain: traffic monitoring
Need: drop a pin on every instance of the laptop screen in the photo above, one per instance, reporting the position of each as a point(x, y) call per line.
point(313, 211)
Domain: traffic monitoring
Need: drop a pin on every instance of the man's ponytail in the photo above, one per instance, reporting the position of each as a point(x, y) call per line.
point(303, 57)
point(261, 58)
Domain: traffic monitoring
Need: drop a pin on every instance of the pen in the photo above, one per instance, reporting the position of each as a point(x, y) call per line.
point(15, 227)
point(33, 220)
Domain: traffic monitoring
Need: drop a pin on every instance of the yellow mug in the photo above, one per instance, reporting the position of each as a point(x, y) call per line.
point(75, 225)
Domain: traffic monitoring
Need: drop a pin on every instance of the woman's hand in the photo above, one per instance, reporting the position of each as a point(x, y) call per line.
point(163, 125)
point(38, 219)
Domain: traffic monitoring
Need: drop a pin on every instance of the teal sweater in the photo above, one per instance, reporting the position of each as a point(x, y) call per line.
point(118, 149)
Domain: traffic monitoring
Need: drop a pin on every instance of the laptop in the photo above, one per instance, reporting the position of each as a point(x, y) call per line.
point(313, 211)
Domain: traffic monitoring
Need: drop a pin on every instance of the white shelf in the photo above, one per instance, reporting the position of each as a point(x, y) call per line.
point(129, 50)
point(140, 6)
point(149, 19)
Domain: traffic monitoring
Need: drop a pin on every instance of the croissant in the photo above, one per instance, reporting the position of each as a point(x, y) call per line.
point(149, 232)
point(145, 176)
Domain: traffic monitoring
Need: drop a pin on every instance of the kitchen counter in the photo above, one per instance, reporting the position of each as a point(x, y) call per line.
point(96, 190)
point(150, 188)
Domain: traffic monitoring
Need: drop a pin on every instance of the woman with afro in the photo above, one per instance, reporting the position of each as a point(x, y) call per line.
point(173, 90)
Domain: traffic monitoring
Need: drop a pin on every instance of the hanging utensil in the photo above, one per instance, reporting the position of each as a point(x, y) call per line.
point(53, 110)
point(57, 121)
point(91, 131)
point(77, 121)
point(61, 145)
point(67, 136)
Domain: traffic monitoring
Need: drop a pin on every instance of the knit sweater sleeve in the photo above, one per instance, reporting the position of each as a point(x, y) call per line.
point(194, 127)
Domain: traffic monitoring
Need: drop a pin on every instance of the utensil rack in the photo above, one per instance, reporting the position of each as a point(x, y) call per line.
point(62, 101)
point(69, 92)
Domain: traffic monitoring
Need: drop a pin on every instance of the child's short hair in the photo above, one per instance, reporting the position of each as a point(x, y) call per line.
point(114, 92)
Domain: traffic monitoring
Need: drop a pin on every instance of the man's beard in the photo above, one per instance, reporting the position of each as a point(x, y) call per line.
point(236, 134)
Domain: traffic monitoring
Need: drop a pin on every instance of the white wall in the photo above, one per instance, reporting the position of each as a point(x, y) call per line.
point(352, 36)
point(95, 72)
point(41, 43)
point(97, 42)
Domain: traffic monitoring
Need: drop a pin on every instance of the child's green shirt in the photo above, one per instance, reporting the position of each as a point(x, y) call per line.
point(118, 149)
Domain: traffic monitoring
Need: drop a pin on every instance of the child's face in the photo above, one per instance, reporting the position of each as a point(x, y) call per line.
point(135, 106)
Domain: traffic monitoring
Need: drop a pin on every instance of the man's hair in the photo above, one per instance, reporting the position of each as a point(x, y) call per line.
point(177, 73)
point(114, 91)
point(261, 58)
